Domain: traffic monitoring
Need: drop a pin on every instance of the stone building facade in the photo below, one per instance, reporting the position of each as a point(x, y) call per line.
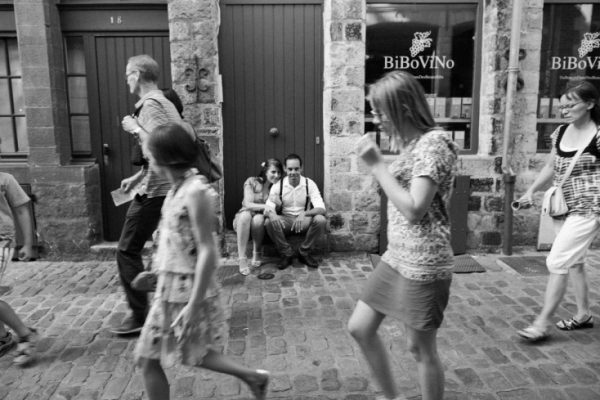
point(68, 211)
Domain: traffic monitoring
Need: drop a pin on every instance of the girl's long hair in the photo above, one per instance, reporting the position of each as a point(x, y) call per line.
point(401, 98)
point(587, 92)
point(265, 165)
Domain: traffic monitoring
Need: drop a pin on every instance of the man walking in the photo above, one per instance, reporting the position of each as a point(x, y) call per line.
point(294, 195)
point(142, 217)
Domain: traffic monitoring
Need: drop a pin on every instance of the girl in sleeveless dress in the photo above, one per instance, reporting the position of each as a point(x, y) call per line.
point(186, 322)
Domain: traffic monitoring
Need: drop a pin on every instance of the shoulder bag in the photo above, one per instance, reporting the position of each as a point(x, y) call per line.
point(554, 204)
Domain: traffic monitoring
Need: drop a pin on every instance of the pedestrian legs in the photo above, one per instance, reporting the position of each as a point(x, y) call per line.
point(363, 325)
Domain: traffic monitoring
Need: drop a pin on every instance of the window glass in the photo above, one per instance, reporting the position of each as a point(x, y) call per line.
point(6, 135)
point(78, 95)
point(80, 131)
point(4, 98)
point(435, 43)
point(22, 140)
point(3, 63)
point(13, 57)
point(570, 52)
point(75, 55)
point(17, 92)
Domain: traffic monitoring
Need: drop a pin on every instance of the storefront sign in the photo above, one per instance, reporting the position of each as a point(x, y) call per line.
point(589, 42)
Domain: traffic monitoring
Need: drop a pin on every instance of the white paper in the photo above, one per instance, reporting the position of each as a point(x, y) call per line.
point(120, 197)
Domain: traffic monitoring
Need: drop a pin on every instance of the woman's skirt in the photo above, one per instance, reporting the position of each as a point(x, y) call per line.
point(420, 305)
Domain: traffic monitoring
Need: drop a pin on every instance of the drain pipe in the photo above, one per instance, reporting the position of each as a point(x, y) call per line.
point(508, 175)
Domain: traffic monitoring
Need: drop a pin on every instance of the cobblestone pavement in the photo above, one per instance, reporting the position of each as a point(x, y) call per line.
point(294, 325)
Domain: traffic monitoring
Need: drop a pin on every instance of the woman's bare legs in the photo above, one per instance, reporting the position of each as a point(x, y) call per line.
point(258, 233)
point(580, 286)
point(363, 325)
point(243, 235)
point(257, 380)
point(155, 380)
point(423, 346)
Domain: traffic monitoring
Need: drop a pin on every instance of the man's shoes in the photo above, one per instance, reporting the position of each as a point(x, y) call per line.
point(285, 262)
point(307, 260)
point(145, 281)
point(129, 326)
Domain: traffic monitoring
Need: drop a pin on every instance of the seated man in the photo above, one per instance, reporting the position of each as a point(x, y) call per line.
point(294, 195)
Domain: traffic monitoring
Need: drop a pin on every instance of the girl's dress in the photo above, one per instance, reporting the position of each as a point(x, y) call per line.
point(259, 197)
point(175, 263)
point(412, 281)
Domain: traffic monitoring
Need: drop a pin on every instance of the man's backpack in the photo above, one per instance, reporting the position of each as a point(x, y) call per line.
point(206, 164)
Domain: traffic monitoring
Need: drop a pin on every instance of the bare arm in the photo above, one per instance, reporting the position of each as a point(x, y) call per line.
point(248, 202)
point(201, 212)
point(24, 220)
point(544, 177)
point(412, 204)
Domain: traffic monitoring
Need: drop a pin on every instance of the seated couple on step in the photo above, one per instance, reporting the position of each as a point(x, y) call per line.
point(282, 207)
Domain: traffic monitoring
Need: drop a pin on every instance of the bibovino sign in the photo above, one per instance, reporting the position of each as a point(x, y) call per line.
point(420, 42)
point(590, 41)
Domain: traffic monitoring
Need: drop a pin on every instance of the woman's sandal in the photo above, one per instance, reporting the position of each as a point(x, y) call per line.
point(533, 334)
point(259, 389)
point(244, 268)
point(572, 324)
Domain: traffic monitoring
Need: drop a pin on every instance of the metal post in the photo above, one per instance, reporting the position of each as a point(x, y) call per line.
point(508, 174)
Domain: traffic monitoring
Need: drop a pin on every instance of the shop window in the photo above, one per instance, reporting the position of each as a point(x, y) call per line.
point(570, 52)
point(13, 132)
point(79, 116)
point(436, 42)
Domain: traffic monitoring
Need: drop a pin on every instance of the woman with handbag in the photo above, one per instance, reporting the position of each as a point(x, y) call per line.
point(574, 170)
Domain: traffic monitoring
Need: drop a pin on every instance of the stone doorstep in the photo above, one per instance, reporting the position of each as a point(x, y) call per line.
point(228, 245)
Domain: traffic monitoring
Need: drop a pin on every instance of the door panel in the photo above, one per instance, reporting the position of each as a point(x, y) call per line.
point(114, 102)
point(271, 60)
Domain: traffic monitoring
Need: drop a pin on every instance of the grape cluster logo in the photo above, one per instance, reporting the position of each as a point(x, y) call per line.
point(420, 42)
point(591, 41)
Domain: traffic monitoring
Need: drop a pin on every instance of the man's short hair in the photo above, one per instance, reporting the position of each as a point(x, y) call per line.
point(291, 156)
point(147, 66)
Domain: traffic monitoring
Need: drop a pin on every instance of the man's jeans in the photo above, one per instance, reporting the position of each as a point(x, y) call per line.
point(314, 227)
point(140, 222)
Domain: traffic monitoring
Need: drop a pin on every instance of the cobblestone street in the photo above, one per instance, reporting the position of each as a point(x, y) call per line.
point(294, 326)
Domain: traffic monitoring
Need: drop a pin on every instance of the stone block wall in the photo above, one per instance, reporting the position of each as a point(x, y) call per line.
point(68, 209)
point(350, 192)
point(486, 216)
point(193, 29)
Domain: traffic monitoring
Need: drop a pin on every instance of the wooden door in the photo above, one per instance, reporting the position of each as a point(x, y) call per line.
point(110, 95)
point(271, 61)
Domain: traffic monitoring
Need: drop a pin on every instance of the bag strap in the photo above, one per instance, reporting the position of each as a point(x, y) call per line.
point(576, 157)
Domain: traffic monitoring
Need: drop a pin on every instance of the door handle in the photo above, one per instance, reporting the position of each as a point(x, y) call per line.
point(105, 149)
point(274, 132)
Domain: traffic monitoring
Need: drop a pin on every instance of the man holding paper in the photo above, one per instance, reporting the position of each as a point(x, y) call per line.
point(149, 189)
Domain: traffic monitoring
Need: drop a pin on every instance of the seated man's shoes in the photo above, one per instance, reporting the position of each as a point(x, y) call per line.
point(285, 262)
point(307, 260)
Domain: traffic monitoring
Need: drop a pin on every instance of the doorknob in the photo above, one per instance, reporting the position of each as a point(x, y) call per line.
point(274, 132)
point(105, 149)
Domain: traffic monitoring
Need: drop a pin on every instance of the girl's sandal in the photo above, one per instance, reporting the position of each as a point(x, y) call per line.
point(259, 389)
point(533, 334)
point(244, 268)
point(572, 324)
point(255, 263)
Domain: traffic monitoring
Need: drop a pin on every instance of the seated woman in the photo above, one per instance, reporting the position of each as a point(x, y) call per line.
point(249, 221)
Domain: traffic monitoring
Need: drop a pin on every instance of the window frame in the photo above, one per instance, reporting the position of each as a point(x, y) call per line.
point(13, 115)
point(556, 122)
point(477, 59)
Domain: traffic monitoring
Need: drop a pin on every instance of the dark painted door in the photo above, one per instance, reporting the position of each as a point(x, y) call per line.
point(110, 92)
point(271, 61)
